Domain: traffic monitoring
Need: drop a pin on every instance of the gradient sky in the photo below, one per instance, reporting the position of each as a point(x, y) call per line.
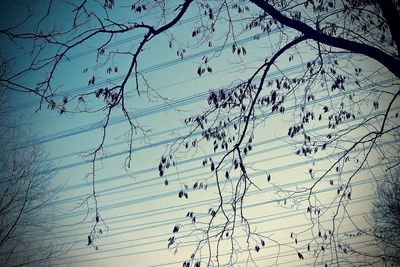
point(138, 209)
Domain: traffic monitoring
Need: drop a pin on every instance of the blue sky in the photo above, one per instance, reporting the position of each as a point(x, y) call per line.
point(139, 211)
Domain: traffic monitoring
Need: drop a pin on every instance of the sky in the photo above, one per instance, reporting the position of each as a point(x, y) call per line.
point(138, 209)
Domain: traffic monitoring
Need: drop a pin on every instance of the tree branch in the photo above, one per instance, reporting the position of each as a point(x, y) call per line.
point(391, 63)
point(392, 18)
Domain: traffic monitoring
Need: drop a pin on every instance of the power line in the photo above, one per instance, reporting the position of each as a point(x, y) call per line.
point(271, 217)
point(147, 226)
point(145, 112)
point(143, 148)
point(276, 216)
point(161, 249)
point(271, 257)
point(179, 207)
point(190, 170)
point(156, 179)
point(195, 134)
point(273, 170)
point(149, 69)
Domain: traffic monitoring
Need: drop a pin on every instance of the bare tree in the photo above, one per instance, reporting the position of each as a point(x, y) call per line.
point(25, 212)
point(385, 218)
point(335, 42)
